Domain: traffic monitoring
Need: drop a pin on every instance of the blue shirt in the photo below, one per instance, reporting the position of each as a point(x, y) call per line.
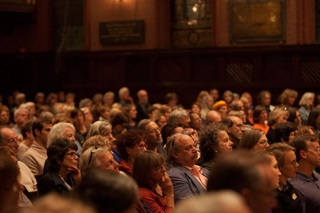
point(308, 189)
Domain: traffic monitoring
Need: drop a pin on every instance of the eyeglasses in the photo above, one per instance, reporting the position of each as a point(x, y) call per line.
point(141, 146)
point(293, 163)
point(93, 150)
point(13, 140)
point(73, 155)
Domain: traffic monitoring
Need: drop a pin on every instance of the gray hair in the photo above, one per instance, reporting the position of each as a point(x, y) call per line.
point(57, 131)
point(98, 127)
point(175, 116)
point(143, 123)
point(90, 158)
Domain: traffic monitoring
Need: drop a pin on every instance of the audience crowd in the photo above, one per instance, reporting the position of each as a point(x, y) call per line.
point(223, 153)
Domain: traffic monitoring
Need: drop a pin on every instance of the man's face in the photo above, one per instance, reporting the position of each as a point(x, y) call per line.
point(143, 97)
point(266, 99)
point(153, 135)
point(187, 154)
point(44, 134)
point(10, 139)
point(21, 117)
point(312, 154)
point(185, 121)
point(237, 128)
point(214, 94)
point(4, 116)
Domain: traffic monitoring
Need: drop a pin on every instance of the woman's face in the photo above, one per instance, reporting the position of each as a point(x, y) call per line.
point(228, 98)
point(297, 120)
point(80, 118)
point(290, 165)
point(195, 108)
point(263, 116)
point(135, 150)
point(70, 159)
point(310, 101)
point(291, 100)
point(224, 144)
point(266, 99)
point(133, 112)
point(162, 121)
point(107, 162)
point(282, 119)
point(262, 143)
point(4, 117)
point(157, 174)
point(275, 172)
point(223, 111)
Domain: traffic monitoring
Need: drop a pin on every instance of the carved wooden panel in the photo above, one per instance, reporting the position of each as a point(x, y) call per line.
point(173, 69)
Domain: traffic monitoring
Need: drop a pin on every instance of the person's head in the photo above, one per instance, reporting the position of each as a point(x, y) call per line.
point(288, 97)
point(40, 131)
point(152, 132)
point(88, 118)
point(285, 132)
point(260, 114)
point(213, 116)
point(124, 93)
point(62, 153)
point(21, 116)
point(307, 99)
point(70, 97)
point(305, 130)
point(264, 98)
point(107, 191)
point(214, 94)
point(307, 150)
point(119, 122)
point(108, 98)
point(98, 141)
point(286, 158)
point(130, 111)
point(142, 96)
point(314, 119)
point(129, 144)
point(253, 180)
point(9, 138)
point(159, 119)
point(39, 98)
point(103, 128)
point(181, 148)
point(148, 169)
point(224, 201)
point(195, 107)
point(97, 99)
point(221, 108)
point(78, 117)
point(61, 130)
point(237, 105)
point(214, 140)
point(4, 115)
point(10, 187)
point(179, 116)
point(169, 130)
point(277, 116)
point(254, 140)
point(86, 102)
point(171, 99)
point(26, 130)
point(275, 172)
point(235, 128)
point(97, 157)
point(228, 96)
point(196, 121)
point(294, 116)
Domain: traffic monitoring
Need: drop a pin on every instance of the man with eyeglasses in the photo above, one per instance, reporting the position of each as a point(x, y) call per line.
point(10, 139)
point(307, 182)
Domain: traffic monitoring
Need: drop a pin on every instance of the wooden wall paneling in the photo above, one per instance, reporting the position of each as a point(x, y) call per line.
point(239, 69)
point(137, 70)
point(203, 68)
point(277, 68)
point(110, 71)
point(172, 69)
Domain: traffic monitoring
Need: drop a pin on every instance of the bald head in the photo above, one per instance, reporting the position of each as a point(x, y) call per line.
point(213, 117)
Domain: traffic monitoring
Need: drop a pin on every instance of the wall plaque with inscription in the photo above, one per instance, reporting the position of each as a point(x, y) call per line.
point(121, 32)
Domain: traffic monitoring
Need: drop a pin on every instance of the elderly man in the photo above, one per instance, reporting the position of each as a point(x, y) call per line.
point(307, 182)
point(142, 105)
point(235, 129)
point(187, 178)
point(153, 136)
point(213, 117)
point(21, 116)
point(10, 139)
point(179, 117)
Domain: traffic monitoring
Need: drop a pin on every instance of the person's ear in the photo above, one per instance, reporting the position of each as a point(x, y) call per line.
point(303, 154)
point(37, 131)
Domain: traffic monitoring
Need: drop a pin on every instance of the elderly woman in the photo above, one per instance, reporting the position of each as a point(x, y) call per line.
point(277, 116)
point(155, 186)
point(306, 106)
point(254, 140)
point(214, 140)
point(288, 200)
point(129, 145)
point(222, 108)
point(97, 157)
point(63, 172)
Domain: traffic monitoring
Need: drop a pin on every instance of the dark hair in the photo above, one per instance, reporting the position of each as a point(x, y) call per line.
point(128, 139)
point(300, 143)
point(257, 111)
point(57, 150)
point(292, 114)
point(312, 119)
point(119, 118)
point(227, 121)
point(38, 125)
point(261, 96)
point(168, 130)
point(243, 163)
point(26, 127)
point(74, 113)
point(106, 191)
point(144, 163)
point(209, 139)
point(283, 130)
